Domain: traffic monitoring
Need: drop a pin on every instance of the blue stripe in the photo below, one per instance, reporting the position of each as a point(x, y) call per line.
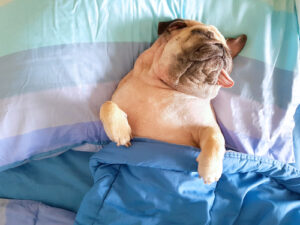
point(66, 65)
point(51, 141)
point(48, 142)
point(253, 78)
point(72, 65)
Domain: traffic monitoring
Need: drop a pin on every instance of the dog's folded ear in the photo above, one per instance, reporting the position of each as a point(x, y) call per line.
point(236, 44)
point(170, 25)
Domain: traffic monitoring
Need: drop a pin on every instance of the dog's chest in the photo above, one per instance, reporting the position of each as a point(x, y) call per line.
point(162, 114)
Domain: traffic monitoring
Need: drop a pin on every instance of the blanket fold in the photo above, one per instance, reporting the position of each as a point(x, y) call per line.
point(157, 183)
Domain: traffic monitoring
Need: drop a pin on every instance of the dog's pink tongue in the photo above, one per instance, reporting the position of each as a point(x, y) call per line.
point(224, 79)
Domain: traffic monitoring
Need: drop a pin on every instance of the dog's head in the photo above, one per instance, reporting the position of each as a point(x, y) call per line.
point(195, 58)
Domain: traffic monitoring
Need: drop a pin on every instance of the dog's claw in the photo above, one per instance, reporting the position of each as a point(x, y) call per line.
point(125, 142)
point(128, 144)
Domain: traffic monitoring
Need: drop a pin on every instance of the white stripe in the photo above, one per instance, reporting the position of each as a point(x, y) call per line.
point(3, 204)
point(29, 112)
point(51, 108)
point(251, 118)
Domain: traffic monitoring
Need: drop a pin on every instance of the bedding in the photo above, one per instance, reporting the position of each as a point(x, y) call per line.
point(154, 182)
point(59, 182)
point(17, 212)
point(60, 60)
point(296, 137)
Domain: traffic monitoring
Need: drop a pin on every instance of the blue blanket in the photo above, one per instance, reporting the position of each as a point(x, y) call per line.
point(157, 183)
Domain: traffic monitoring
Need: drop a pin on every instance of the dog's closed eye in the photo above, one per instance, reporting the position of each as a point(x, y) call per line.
point(205, 33)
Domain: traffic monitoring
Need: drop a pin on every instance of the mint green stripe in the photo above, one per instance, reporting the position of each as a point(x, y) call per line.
point(281, 5)
point(36, 23)
point(263, 25)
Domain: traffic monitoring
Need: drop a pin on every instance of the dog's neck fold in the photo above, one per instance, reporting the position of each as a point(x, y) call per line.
point(148, 71)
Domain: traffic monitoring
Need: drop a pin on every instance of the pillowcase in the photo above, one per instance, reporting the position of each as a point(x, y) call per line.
point(62, 59)
point(256, 115)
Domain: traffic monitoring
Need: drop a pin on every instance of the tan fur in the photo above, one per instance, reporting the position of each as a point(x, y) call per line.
point(157, 111)
point(115, 123)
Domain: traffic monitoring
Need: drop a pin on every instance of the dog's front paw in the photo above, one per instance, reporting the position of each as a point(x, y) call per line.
point(120, 131)
point(115, 123)
point(210, 168)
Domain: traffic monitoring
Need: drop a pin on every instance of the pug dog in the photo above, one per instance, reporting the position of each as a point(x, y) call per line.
point(167, 95)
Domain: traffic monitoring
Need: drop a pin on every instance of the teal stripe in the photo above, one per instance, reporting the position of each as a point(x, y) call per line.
point(33, 23)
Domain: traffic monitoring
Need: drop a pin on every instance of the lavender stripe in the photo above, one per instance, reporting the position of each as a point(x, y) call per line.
point(30, 212)
point(281, 150)
point(42, 142)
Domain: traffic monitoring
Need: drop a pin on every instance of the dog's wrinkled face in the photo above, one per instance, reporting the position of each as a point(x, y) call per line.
point(196, 58)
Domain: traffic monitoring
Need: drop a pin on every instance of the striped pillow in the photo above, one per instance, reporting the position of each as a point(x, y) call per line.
point(60, 60)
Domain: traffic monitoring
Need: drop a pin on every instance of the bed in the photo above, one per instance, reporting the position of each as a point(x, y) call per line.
point(60, 60)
